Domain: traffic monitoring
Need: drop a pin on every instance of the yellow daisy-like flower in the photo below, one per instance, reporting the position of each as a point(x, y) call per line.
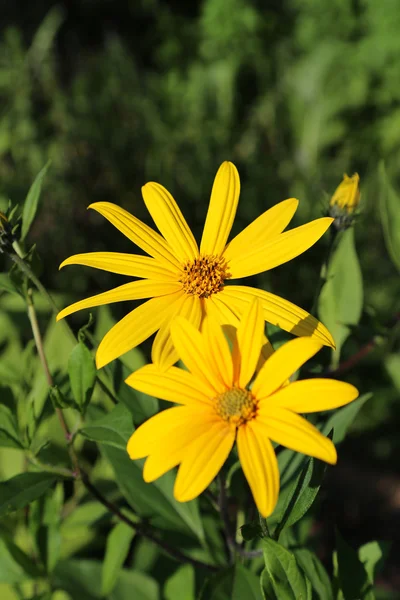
point(347, 194)
point(218, 406)
point(182, 279)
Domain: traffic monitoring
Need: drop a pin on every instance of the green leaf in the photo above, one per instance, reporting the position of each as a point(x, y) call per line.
point(113, 429)
point(82, 374)
point(9, 436)
point(372, 555)
point(7, 285)
point(282, 578)
point(17, 492)
point(15, 565)
point(351, 574)
point(235, 583)
point(390, 215)
point(341, 300)
point(153, 500)
point(316, 573)
point(181, 585)
point(342, 419)
point(117, 548)
point(392, 366)
point(44, 526)
point(299, 496)
point(82, 580)
point(32, 201)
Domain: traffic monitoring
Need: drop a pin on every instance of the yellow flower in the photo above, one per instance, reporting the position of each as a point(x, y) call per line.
point(347, 195)
point(182, 279)
point(219, 407)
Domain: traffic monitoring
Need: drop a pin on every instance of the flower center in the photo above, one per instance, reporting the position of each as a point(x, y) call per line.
point(204, 276)
point(236, 406)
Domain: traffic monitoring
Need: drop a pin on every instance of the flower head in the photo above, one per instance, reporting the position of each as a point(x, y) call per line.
point(219, 404)
point(182, 279)
point(345, 201)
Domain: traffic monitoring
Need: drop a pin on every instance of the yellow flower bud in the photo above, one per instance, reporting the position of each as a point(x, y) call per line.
point(347, 194)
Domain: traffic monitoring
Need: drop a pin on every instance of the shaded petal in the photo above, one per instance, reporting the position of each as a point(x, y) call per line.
point(249, 341)
point(170, 221)
point(135, 290)
point(217, 349)
point(277, 251)
point(173, 385)
point(292, 431)
point(192, 350)
point(202, 461)
point(277, 311)
point(222, 210)
point(163, 352)
point(155, 430)
point(314, 395)
point(136, 327)
point(132, 265)
point(174, 447)
point(268, 225)
point(282, 364)
point(138, 232)
point(259, 465)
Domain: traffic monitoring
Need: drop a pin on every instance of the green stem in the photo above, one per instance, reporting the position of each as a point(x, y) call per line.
point(264, 526)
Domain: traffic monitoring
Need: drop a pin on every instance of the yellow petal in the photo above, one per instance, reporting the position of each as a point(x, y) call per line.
point(174, 447)
point(163, 352)
point(249, 341)
point(138, 232)
point(277, 311)
point(292, 431)
point(155, 430)
point(268, 225)
point(132, 265)
point(277, 251)
point(222, 210)
point(217, 349)
point(203, 460)
point(170, 221)
point(313, 395)
point(191, 348)
point(136, 327)
point(259, 465)
point(282, 364)
point(173, 385)
point(135, 290)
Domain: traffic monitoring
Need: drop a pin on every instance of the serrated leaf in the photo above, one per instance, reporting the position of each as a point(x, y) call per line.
point(342, 419)
point(32, 201)
point(390, 215)
point(316, 573)
point(82, 375)
point(117, 548)
point(114, 429)
point(341, 300)
point(235, 583)
point(282, 578)
point(301, 493)
point(17, 492)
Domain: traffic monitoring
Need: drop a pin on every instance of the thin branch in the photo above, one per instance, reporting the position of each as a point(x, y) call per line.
point(143, 530)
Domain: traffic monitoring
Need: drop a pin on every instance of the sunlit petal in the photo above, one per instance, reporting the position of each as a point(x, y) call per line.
point(217, 349)
point(222, 210)
point(314, 395)
point(249, 341)
point(277, 251)
point(170, 221)
point(259, 465)
point(138, 232)
point(267, 226)
point(203, 460)
point(135, 290)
